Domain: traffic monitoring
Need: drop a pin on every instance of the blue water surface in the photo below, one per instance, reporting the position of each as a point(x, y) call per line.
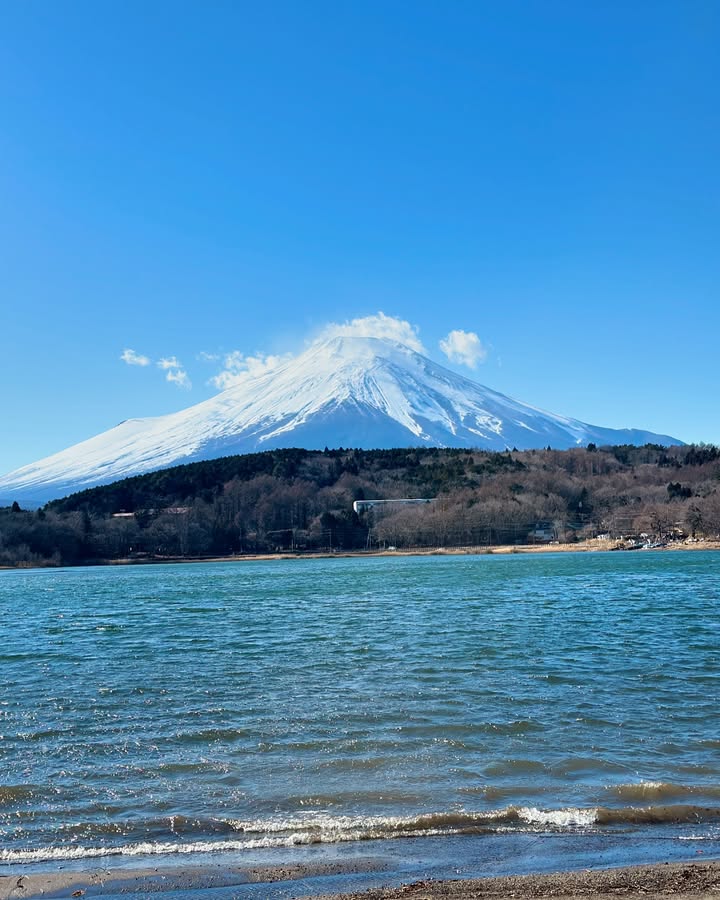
point(176, 708)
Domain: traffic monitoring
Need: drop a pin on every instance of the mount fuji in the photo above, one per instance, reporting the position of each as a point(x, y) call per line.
point(362, 392)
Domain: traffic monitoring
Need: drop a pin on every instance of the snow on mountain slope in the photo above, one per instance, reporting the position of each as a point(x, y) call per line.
point(344, 392)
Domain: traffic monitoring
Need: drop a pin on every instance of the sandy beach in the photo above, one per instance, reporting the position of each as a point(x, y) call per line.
point(590, 546)
point(693, 881)
point(593, 545)
point(679, 880)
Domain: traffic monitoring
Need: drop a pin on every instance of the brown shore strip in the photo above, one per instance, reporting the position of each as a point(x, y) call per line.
point(590, 546)
point(690, 881)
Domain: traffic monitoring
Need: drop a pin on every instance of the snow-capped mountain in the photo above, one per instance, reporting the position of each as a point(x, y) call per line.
point(344, 392)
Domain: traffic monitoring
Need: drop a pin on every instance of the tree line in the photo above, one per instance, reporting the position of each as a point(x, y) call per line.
point(302, 501)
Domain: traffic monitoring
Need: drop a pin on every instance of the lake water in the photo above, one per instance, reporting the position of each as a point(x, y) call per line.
point(244, 706)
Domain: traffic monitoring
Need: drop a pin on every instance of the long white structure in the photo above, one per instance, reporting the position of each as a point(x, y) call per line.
point(361, 505)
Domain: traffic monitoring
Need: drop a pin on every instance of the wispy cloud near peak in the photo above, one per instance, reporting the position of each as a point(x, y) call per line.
point(377, 326)
point(178, 377)
point(237, 367)
point(174, 372)
point(134, 359)
point(169, 362)
point(464, 347)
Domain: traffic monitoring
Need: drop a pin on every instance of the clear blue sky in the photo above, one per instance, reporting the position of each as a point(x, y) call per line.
point(182, 178)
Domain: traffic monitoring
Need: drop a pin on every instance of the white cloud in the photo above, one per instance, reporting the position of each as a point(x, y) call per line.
point(134, 359)
point(178, 377)
point(463, 347)
point(237, 367)
point(378, 326)
point(171, 365)
point(169, 362)
point(174, 372)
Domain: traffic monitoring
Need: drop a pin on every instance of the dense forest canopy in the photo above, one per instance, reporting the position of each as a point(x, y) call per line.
point(302, 500)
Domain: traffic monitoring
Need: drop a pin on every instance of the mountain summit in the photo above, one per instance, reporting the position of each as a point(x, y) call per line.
point(343, 392)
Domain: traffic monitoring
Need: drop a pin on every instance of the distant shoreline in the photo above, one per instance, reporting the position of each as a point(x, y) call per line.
point(590, 546)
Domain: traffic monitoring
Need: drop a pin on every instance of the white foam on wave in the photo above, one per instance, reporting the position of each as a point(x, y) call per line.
point(712, 834)
point(321, 823)
point(288, 832)
point(166, 849)
point(273, 835)
point(145, 848)
point(560, 818)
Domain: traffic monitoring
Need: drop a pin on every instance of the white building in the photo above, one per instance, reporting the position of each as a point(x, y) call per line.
point(362, 505)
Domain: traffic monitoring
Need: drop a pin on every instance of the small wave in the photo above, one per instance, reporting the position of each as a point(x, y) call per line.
point(554, 678)
point(496, 793)
point(12, 793)
point(514, 767)
point(581, 764)
point(201, 610)
point(146, 848)
point(47, 735)
point(185, 768)
point(223, 835)
point(517, 726)
point(210, 735)
point(160, 828)
point(667, 814)
point(352, 763)
point(327, 801)
point(660, 790)
point(313, 829)
point(647, 790)
point(697, 769)
point(712, 834)
point(595, 722)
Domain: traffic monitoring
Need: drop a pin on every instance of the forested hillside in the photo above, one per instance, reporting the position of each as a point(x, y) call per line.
point(302, 500)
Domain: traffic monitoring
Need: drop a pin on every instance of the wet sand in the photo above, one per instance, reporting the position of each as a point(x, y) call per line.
point(692, 881)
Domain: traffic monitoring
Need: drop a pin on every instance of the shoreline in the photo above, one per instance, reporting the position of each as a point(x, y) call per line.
point(491, 866)
point(589, 546)
point(690, 880)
